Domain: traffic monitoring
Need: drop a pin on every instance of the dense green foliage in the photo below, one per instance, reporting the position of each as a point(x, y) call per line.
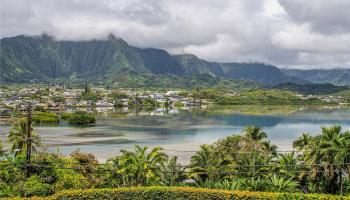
point(256, 97)
point(140, 167)
point(113, 61)
point(80, 118)
point(1, 149)
point(314, 89)
point(45, 118)
point(328, 155)
point(335, 76)
point(34, 187)
point(188, 193)
point(345, 95)
point(246, 162)
point(17, 137)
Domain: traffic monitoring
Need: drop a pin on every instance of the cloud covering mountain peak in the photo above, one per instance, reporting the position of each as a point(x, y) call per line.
point(287, 33)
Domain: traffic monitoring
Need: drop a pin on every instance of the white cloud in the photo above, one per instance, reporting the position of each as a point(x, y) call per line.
point(288, 33)
point(323, 16)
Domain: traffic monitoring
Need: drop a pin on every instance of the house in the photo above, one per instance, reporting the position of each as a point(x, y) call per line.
point(103, 103)
point(70, 102)
point(172, 93)
point(5, 112)
point(86, 103)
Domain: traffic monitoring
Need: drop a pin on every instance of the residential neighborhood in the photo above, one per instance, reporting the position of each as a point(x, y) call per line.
point(60, 98)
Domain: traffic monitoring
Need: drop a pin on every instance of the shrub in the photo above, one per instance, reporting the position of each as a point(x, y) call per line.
point(143, 193)
point(45, 117)
point(33, 187)
point(182, 193)
point(40, 108)
point(179, 104)
point(68, 179)
point(81, 118)
point(65, 115)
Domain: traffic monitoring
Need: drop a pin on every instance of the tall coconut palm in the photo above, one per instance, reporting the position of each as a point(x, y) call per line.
point(207, 165)
point(140, 167)
point(17, 137)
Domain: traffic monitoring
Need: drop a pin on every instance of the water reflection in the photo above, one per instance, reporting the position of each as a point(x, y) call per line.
point(185, 130)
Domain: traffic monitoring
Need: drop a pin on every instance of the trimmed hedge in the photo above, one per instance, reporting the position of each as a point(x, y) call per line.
point(181, 193)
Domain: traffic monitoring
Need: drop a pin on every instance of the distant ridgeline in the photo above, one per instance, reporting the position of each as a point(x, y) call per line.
point(25, 59)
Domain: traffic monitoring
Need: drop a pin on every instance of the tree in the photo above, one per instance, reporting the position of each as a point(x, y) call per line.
point(172, 173)
point(18, 136)
point(326, 155)
point(87, 89)
point(140, 167)
point(1, 149)
point(288, 165)
point(167, 103)
point(207, 165)
point(302, 141)
point(149, 103)
point(81, 118)
point(87, 162)
point(255, 133)
point(117, 95)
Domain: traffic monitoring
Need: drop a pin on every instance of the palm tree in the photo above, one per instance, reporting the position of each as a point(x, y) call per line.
point(255, 133)
point(139, 167)
point(207, 165)
point(253, 164)
point(269, 147)
point(302, 141)
point(326, 154)
point(172, 173)
point(290, 166)
point(18, 136)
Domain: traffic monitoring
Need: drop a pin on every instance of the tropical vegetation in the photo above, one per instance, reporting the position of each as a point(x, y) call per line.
point(188, 193)
point(242, 162)
point(79, 118)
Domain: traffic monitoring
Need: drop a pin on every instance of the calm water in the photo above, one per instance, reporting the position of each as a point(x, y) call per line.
point(181, 132)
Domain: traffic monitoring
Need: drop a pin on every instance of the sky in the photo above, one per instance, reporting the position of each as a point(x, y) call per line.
point(301, 34)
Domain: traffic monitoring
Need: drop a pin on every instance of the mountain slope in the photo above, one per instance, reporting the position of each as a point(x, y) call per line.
point(268, 74)
point(194, 65)
point(264, 74)
point(340, 77)
point(27, 58)
point(41, 59)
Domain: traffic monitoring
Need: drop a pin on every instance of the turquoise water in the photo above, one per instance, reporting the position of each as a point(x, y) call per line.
point(181, 132)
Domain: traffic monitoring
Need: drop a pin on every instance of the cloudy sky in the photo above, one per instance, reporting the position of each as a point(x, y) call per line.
point(287, 33)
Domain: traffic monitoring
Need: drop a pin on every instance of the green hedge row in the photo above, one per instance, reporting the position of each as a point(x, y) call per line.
point(181, 193)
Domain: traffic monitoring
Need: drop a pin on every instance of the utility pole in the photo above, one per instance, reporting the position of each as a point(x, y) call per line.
point(28, 139)
point(341, 182)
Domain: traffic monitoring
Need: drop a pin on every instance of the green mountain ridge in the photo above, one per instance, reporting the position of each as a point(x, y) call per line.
point(340, 77)
point(25, 59)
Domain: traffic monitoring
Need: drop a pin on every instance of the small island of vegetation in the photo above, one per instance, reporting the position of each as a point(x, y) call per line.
point(79, 118)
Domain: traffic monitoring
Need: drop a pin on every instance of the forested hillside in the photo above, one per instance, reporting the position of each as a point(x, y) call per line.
point(41, 59)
